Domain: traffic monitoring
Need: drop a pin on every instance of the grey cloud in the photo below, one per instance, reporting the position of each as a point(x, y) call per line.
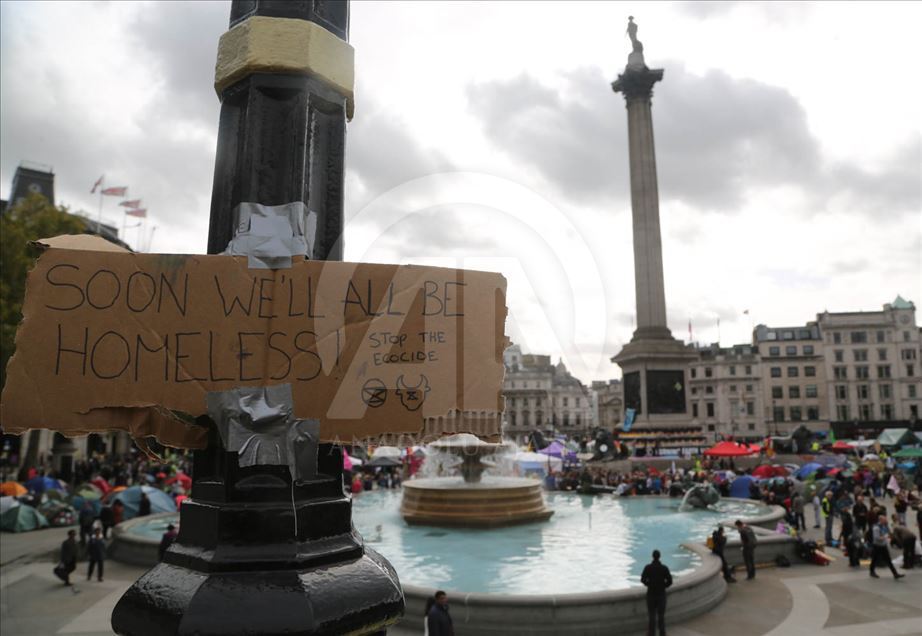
point(717, 137)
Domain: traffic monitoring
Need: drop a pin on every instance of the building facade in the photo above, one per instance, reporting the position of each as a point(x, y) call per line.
point(725, 389)
point(872, 361)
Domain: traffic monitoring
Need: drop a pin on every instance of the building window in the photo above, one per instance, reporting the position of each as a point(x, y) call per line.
point(774, 351)
point(710, 408)
point(790, 350)
point(787, 335)
point(886, 411)
point(880, 336)
point(778, 414)
point(752, 426)
point(881, 354)
point(776, 372)
point(861, 355)
point(862, 373)
point(840, 355)
point(694, 390)
point(750, 408)
point(912, 390)
point(883, 371)
point(793, 372)
point(708, 372)
point(810, 391)
point(710, 428)
point(748, 369)
point(841, 391)
point(837, 338)
point(796, 414)
point(695, 409)
point(732, 370)
point(906, 337)
point(793, 392)
point(694, 372)
point(863, 392)
point(842, 412)
point(885, 391)
point(810, 372)
point(910, 370)
point(512, 402)
point(748, 388)
point(808, 350)
point(709, 390)
point(908, 354)
point(813, 413)
point(777, 392)
point(864, 411)
point(565, 401)
point(732, 388)
point(858, 337)
point(840, 373)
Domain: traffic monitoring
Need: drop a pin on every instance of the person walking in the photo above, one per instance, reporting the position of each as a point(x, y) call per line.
point(96, 554)
point(816, 510)
point(880, 551)
point(797, 507)
point(68, 562)
point(719, 539)
point(438, 620)
point(748, 538)
point(658, 579)
point(86, 519)
point(903, 538)
point(107, 519)
point(826, 507)
point(860, 514)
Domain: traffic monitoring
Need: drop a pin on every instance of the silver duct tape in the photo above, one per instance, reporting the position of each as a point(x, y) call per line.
point(257, 423)
point(269, 235)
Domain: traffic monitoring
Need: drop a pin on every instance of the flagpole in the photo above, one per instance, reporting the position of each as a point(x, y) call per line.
point(99, 216)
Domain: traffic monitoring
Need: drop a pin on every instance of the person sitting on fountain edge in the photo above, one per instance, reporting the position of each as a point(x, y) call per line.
point(438, 620)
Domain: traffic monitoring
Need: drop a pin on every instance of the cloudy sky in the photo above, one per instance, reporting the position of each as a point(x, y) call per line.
point(486, 135)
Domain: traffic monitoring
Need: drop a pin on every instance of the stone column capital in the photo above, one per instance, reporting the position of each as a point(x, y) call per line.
point(637, 83)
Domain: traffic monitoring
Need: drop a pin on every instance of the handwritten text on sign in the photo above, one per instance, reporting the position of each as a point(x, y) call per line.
point(366, 348)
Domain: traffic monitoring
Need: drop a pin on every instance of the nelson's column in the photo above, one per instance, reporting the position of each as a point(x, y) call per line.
point(653, 363)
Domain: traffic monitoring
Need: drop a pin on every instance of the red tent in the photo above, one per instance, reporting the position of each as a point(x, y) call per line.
point(842, 447)
point(728, 449)
point(766, 471)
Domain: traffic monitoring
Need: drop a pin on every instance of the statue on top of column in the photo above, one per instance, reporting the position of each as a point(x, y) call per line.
point(632, 33)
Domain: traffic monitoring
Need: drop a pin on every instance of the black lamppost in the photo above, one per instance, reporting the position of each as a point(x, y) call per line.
point(257, 553)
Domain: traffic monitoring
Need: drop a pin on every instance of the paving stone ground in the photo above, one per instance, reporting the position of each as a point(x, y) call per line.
point(803, 600)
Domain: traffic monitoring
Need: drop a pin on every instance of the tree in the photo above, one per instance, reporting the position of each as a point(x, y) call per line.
point(29, 220)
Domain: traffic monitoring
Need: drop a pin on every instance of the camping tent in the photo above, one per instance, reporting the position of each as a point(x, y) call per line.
point(22, 519)
point(40, 484)
point(766, 470)
point(908, 452)
point(7, 502)
point(557, 449)
point(386, 451)
point(131, 498)
point(58, 514)
point(384, 461)
point(807, 469)
point(729, 449)
point(12, 489)
point(527, 462)
point(842, 446)
point(739, 487)
point(891, 437)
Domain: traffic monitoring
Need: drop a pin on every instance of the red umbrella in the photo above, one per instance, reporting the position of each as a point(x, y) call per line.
point(766, 471)
point(832, 472)
point(728, 449)
point(184, 480)
point(842, 446)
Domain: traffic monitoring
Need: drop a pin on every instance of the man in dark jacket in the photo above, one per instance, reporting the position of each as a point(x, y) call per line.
point(720, 543)
point(86, 519)
point(144, 505)
point(657, 578)
point(167, 540)
point(748, 539)
point(68, 557)
point(96, 554)
point(107, 519)
point(860, 514)
point(438, 620)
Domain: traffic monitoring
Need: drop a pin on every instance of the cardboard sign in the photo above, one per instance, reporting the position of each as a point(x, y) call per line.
point(136, 341)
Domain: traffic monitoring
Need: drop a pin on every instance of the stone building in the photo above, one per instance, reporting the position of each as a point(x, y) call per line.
point(608, 400)
point(793, 377)
point(542, 396)
point(872, 364)
point(725, 391)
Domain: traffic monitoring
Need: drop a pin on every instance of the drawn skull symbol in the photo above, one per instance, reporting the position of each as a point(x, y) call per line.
point(412, 397)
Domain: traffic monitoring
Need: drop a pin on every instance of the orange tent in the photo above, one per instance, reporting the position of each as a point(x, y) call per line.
point(12, 489)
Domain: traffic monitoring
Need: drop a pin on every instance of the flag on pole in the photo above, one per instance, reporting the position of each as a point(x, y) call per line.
point(118, 191)
point(141, 214)
point(746, 312)
point(629, 415)
point(689, 330)
point(134, 203)
point(96, 185)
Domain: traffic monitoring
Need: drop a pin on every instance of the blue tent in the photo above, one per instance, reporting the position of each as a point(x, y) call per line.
point(22, 519)
point(131, 498)
point(807, 469)
point(41, 483)
point(739, 487)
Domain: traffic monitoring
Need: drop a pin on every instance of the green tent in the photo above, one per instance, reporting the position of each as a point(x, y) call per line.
point(908, 452)
point(897, 437)
point(22, 518)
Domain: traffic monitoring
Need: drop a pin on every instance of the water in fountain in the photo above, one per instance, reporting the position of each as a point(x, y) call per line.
point(699, 496)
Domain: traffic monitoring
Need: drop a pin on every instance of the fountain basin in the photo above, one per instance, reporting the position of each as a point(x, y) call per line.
point(489, 503)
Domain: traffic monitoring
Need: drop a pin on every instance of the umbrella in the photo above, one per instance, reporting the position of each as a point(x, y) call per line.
point(766, 470)
point(739, 487)
point(22, 519)
point(131, 498)
point(384, 462)
point(807, 469)
point(42, 483)
point(842, 446)
point(12, 489)
point(386, 451)
point(184, 480)
point(908, 452)
point(102, 484)
point(728, 449)
point(832, 472)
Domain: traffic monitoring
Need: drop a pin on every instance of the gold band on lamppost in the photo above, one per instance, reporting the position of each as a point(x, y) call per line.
point(287, 46)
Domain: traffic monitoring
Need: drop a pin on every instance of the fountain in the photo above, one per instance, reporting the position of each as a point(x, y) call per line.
point(700, 496)
point(472, 500)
